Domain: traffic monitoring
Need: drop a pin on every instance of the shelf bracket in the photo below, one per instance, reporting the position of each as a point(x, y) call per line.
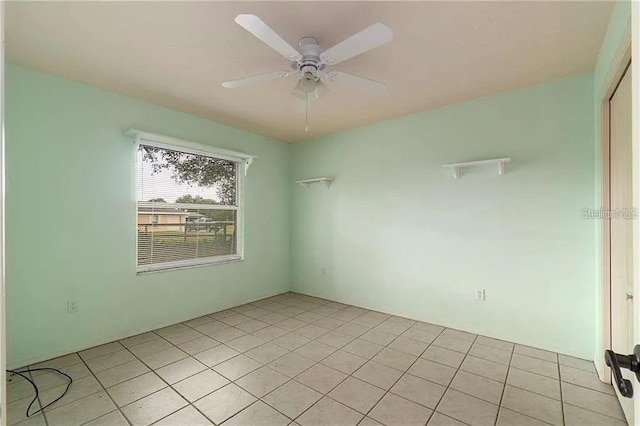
point(306, 182)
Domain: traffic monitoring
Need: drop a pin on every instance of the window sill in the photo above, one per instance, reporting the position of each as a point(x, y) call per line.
point(174, 266)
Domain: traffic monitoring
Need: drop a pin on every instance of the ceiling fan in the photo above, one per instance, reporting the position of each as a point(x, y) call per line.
point(310, 60)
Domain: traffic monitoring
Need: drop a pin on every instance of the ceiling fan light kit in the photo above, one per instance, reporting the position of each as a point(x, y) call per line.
point(310, 60)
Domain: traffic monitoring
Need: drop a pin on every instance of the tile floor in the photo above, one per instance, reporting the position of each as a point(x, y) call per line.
point(294, 359)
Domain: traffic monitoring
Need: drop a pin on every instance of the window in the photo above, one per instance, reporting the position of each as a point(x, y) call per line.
point(189, 206)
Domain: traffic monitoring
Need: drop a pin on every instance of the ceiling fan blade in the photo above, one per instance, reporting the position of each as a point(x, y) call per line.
point(258, 28)
point(240, 82)
point(363, 84)
point(367, 39)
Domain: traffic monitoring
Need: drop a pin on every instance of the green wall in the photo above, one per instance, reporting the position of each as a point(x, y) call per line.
point(397, 233)
point(618, 29)
point(70, 220)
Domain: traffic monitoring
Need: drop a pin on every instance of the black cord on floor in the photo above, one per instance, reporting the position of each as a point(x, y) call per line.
point(35, 387)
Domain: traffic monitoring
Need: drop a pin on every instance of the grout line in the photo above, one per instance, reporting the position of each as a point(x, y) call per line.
point(564, 421)
point(504, 387)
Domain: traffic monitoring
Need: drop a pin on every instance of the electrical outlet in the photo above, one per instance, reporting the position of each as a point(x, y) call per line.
point(480, 294)
point(324, 270)
point(72, 306)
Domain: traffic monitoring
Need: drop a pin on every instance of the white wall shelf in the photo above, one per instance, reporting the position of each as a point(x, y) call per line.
point(455, 167)
point(306, 182)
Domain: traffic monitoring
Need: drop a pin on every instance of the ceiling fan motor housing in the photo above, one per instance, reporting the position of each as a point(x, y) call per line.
point(310, 65)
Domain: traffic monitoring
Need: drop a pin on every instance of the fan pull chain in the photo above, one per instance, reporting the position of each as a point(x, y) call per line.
point(306, 107)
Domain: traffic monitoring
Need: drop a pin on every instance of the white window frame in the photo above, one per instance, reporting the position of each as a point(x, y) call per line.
point(242, 160)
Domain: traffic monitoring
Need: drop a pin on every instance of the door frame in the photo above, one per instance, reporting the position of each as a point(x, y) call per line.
point(619, 65)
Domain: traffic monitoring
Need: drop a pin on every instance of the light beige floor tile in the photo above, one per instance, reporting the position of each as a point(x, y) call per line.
point(315, 350)
point(216, 355)
point(291, 341)
point(420, 334)
point(150, 347)
point(357, 394)
point(419, 390)
point(114, 418)
point(592, 400)
point(154, 407)
point(136, 388)
point(351, 329)
point(453, 343)
point(187, 416)
point(266, 353)
point(224, 403)
point(245, 343)
point(478, 386)
point(162, 358)
point(467, 409)
point(578, 363)
point(262, 381)
point(78, 389)
point(258, 414)
point(180, 370)
point(438, 373)
point(109, 360)
point(585, 379)
point(367, 320)
point(363, 348)
point(199, 385)
point(121, 373)
point(257, 312)
point(196, 322)
point(458, 334)
point(576, 416)
point(139, 339)
point(270, 333)
point(534, 383)
point(198, 345)
point(409, 346)
point(484, 368)
point(432, 328)
point(47, 379)
point(171, 329)
point(335, 339)
point(37, 420)
point(391, 327)
point(533, 405)
point(507, 417)
point(17, 410)
point(491, 354)
point(222, 314)
point(234, 320)
point(329, 323)
point(321, 378)
point(292, 398)
point(443, 356)
point(252, 325)
point(495, 343)
point(344, 361)
point(291, 324)
point(329, 412)
point(290, 311)
point(535, 365)
point(101, 350)
point(395, 359)
point(536, 353)
point(291, 364)
point(312, 331)
point(226, 335)
point(377, 336)
point(438, 419)
point(378, 374)
point(212, 327)
point(183, 336)
point(237, 367)
point(395, 410)
point(309, 317)
point(81, 411)
point(273, 318)
point(60, 362)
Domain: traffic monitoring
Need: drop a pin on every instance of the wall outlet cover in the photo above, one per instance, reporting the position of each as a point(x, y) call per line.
point(480, 294)
point(72, 306)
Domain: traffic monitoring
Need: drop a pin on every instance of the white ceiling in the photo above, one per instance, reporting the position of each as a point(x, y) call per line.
point(176, 54)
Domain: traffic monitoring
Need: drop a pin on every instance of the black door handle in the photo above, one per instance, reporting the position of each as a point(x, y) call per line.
point(630, 362)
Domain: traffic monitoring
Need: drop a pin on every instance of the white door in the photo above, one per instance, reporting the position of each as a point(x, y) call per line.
point(622, 229)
